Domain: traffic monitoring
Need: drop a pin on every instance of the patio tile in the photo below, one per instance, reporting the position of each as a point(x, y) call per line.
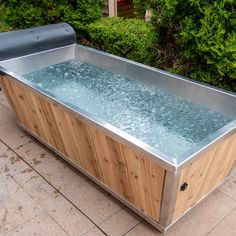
point(120, 223)
point(13, 136)
point(97, 204)
point(16, 206)
point(200, 220)
point(6, 115)
point(94, 232)
point(205, 216)
point(34, 153)
point(60, 209)
point(226, 227)
point(3, 148)
point(10, 163)
point(229, 187)
point(41, 225)
point(52, 167)
point(92, 200)
point(144, 229)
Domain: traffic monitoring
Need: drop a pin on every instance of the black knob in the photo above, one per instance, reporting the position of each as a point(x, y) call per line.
point(184, 186)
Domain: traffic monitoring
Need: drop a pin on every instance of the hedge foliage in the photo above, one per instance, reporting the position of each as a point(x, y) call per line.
point(205, 30)
point(130, 38)
point(196, 38)
point(18, 14)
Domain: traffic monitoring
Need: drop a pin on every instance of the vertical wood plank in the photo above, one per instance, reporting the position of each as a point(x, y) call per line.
point(205, 174)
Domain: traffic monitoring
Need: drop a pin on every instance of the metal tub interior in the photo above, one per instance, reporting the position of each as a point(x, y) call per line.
point(174, 173)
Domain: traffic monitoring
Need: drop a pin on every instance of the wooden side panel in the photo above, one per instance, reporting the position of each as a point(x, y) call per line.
point(205, 174)
point(134, 177)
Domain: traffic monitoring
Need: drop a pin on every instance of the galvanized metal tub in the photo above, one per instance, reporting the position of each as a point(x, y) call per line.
point(156, 186)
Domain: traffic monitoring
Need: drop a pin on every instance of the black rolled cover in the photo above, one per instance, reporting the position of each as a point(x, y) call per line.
point(22, 42)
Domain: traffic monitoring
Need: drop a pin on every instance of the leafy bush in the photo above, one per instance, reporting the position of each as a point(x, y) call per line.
point(130, 38)
point(3, 26)
point(205, 30)
point(19, 14)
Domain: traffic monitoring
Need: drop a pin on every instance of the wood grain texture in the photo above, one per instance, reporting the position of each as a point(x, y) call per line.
point(205, 174)
point(133, 176)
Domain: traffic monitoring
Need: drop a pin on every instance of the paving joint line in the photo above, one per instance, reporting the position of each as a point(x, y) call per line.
point(219, 222)
point(53, 219)
point(54, 187)
point(133, 227)
point(226, 194)
point(6, 107)
point(44, 210)
point(20, 225)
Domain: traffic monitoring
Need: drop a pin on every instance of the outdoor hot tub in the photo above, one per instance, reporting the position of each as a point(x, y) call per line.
point(156, 141)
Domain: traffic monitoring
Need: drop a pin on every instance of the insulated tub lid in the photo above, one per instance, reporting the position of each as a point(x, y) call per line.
point(27, 41)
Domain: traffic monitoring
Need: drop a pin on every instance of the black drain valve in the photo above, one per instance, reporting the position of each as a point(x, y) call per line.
point(184, 186)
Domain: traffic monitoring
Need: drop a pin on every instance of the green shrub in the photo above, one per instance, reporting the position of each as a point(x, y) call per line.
point(205, 30)
point(19, 14)
point(130, 38)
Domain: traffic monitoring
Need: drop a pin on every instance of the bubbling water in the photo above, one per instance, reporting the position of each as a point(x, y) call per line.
point(164, 121)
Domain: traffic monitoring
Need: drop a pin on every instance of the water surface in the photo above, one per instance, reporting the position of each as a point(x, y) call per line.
point(164, 121)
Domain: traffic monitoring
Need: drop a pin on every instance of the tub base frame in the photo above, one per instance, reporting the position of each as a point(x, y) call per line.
point(155, 224)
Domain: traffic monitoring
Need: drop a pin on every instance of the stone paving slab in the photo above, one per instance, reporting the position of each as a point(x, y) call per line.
point(6, 115)
point(120, 223)
point(204, 217)
point(16, 206)
point(226, 227)
point(67, 216)
point(95, 232)
point(13, 136)
point(229, 188)
point(10, 163)
point(41, 225)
